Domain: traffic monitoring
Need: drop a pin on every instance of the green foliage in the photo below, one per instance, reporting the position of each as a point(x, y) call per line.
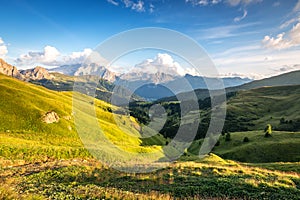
point(288, 125)
point(228, 137)
point(246, 139)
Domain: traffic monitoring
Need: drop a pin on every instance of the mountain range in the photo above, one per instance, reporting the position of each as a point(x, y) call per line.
point(286, 79)
point(37, 73)
point(151, 85)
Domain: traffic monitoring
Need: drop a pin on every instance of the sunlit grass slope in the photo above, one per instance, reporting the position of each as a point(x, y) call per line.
point(213, 178)
point(23, 134)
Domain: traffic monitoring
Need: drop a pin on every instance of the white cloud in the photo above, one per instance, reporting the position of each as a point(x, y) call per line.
point(242, 2)
point(3, 48)
point(295, 16)
point(253, 76)
point(224, 31)
point(45, 57)
point(51, 57)
point(138, 6)
point(50, 54)
point(128, 3)
point(216, 1)
point(233, 3)
point(77, 57)
point(255, 62)
point(151, 8)
point(276, 43)
point(113, 2)
point(230, 2)
point(237, 19)
point(283, 40)
point(297, 7)
point(288, 68)
point(162, 63)
point(289, 22)
point(203, 2)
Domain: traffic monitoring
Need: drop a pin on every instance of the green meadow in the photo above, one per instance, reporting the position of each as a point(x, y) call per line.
point(49, 161)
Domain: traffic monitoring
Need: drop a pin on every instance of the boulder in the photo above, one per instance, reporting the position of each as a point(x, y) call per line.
point(50, 117)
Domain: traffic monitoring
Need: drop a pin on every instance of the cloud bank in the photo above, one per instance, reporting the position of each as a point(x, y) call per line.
point(162, 63)
point(51, 57)
point(283, 40)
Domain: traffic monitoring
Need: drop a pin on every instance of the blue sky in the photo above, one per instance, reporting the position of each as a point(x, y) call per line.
point(255, 38)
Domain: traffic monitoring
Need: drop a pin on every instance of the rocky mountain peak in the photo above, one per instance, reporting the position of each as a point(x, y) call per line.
point(157, 77)
point(36, 73)
point(87, 69)
point(9, 70)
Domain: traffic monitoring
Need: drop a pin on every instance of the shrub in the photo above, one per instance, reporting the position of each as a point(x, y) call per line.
point(227, 137)
point(246, 139)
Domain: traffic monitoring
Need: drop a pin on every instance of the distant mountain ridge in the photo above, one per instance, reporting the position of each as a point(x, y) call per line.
point(152, 86)
point(37, 73)
point(289, 78)
point(86, 69)
point(61, 82)
point(286, 79)
point(146, 85)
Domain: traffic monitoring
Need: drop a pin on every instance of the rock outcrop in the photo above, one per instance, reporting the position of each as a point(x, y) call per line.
point(50, 117)
point(9, 70)
point(37, 73)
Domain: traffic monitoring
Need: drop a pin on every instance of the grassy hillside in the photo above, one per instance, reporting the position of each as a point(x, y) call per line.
point(246, 110)
point(281, 147)
point(290, 78)
point(25, 136)
point(48, 161)
point(254, 109)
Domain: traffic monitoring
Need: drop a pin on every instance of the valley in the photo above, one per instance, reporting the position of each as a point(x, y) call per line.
point(41, 160)
point(150, 100)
